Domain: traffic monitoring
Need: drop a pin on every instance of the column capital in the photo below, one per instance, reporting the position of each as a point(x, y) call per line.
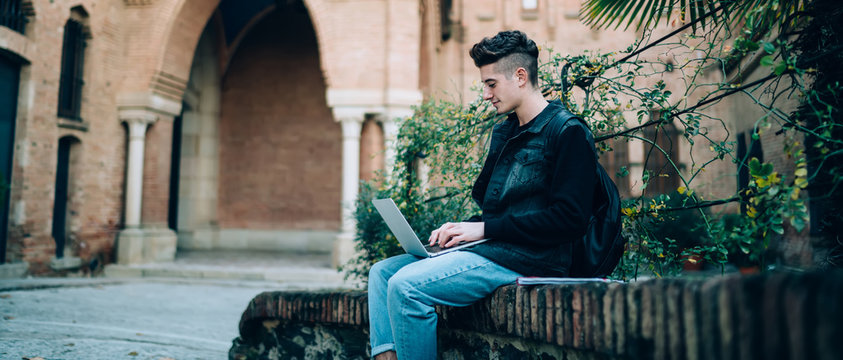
point(133, 116)
point(149, 102)
point(351, 128)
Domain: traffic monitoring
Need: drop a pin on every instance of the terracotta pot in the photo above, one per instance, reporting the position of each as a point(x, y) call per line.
point(747, 270)
point(692, 262)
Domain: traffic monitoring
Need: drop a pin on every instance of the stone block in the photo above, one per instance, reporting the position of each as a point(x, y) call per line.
point(828, 312)
point(675, 324)
point(691, 319)
point(13, 270)
point(141, 246)
point(800, 318)
point(577, 318)
point(710, 320)
point(632, 327)
point(749, 303)
point(728, 317)
point(661, 335)
point(549, 315)
point(616, 298)
point(160, 245)
point(773, 326)
point(65, 263)
point(130, 244)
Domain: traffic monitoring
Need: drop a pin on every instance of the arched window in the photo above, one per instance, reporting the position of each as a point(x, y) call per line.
point(72, 64)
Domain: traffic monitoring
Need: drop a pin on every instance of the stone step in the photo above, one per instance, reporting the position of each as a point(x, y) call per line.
point(306, 269)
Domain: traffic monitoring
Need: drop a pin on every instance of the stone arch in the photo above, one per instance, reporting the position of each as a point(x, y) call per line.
point(185, 27)
point(279, 145)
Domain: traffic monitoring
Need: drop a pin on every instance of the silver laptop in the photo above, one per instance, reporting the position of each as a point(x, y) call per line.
point(405, 234)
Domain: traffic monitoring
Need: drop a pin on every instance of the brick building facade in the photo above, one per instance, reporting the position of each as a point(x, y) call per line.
point(219, 124)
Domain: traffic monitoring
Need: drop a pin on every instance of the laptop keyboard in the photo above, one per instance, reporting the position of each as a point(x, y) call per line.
point(433, 249)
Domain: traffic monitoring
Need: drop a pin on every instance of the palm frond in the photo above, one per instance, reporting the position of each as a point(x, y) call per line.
point(647, 13)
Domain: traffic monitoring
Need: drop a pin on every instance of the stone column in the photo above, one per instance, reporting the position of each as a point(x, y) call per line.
point(351, 127)
point(137, 122)
point(390, 136)
point(130, 240)
point(399, 105)
point(144, 240)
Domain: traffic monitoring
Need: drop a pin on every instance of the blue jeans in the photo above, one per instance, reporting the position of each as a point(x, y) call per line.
point(404, 289)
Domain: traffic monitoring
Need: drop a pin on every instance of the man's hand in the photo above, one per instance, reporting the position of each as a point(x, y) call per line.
point(451, 234)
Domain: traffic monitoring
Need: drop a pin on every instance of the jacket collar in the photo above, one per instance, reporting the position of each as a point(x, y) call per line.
point(552, 108)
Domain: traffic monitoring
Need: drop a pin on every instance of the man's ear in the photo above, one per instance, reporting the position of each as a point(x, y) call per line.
point(521, 76)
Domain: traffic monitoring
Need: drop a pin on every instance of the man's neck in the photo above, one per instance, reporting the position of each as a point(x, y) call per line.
point(530, 108)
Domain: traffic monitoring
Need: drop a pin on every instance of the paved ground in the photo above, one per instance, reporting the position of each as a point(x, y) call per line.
point(184, 315)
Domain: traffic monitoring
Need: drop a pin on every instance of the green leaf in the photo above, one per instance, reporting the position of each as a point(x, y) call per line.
point(798, 224)
point(769, 47)
point(767, 60)
point(780, 68)
point(754, 166)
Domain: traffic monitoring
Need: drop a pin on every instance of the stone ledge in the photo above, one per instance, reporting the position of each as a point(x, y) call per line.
point(782, 315)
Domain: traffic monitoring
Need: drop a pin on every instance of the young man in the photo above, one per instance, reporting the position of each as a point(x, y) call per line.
point(535, 191)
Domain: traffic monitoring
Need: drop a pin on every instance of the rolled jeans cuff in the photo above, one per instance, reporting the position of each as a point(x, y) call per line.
point(382, 349)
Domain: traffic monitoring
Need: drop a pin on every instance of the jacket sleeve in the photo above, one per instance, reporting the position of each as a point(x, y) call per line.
point(571, 191)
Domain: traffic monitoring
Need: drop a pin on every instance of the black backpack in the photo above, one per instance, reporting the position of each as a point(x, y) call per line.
point(599, 251)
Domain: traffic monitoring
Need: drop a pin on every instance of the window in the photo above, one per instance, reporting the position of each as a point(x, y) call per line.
point(663, 176)
point(445, 18)
point(617, 164)
point(72, 63)
point(530, 9)
point(13, 14)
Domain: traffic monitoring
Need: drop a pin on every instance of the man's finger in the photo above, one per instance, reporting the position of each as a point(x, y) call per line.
point(433, 237)
point(454, 241)
point(444, 236)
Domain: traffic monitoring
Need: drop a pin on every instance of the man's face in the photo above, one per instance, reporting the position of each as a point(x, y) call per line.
point(503, 92)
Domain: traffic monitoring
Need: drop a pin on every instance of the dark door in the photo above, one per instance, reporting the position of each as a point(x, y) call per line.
point(60, 204)
point(175, 172)
point(9, 82)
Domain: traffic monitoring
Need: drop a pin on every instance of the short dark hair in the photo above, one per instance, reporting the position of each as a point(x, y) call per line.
point(510, 50)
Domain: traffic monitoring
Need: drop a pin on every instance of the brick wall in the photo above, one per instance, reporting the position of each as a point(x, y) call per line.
point(770, 316)
point(280, 154)
point(156, 172)
point(98, 172)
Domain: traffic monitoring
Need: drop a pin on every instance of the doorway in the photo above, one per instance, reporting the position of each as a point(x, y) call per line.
point(9, 83)
point(62, 211)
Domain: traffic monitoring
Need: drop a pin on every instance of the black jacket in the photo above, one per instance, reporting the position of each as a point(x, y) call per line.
point(536, 191)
